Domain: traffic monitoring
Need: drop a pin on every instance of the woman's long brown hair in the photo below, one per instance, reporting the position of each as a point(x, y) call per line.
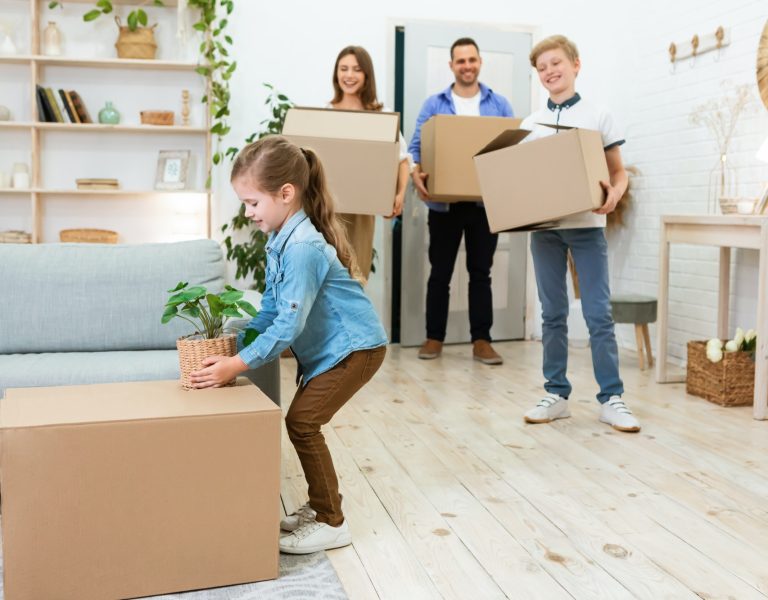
point(368, 91)
point(272, 162)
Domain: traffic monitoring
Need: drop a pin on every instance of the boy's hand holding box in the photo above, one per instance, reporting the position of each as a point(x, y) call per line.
point(532, 185)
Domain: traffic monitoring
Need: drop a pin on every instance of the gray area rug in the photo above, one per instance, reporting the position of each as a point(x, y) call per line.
point(309, 576)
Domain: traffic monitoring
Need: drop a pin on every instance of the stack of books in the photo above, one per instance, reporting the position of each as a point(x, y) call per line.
point(68, 107)
point(94, 183)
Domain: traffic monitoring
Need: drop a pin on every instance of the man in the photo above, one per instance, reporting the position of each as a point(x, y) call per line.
point(449, 222)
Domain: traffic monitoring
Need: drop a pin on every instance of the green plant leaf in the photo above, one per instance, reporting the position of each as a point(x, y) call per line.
point(195, 293)
point(192, 311)
point(168, 314)
point(52, 5)
point(142, 17)
point(179, 286)
point(248, 307)
point(249, 337)
point(215, 304)
point(231, 311)
point(231, 296)
point(91, 15)
point(133, 20)
point(105, 6)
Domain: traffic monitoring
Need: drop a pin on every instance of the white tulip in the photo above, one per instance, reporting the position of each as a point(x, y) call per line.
point(714, 354)
point(738, 336)
point(715, 343)
point(731, 346)
point(750, 335)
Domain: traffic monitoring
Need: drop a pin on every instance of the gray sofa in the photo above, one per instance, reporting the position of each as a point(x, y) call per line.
point(90, 313)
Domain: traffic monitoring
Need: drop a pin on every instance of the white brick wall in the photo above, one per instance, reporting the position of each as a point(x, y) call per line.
point(675, 159)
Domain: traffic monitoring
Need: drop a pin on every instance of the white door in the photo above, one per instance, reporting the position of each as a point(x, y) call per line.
point(506, 71)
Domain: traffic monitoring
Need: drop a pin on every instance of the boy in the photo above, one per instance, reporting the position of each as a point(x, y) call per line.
point(556, 60)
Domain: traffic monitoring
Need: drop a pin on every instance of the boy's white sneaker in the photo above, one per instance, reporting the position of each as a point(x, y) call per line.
point(617, 415)
point(314, 536)
point(549, 408)
point(302, 515)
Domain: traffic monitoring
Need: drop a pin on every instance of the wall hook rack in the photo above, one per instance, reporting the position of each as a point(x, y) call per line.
point(699, 44)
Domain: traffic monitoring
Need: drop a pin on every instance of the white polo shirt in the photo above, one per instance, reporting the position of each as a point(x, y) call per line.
point(575, 112)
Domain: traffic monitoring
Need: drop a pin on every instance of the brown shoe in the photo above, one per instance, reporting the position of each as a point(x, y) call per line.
point(484, 352)
point(430, 349)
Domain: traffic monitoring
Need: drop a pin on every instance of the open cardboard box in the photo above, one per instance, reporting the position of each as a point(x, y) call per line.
point(136, 489)
point(448, 143)
point(533, 185)
point(360, 152)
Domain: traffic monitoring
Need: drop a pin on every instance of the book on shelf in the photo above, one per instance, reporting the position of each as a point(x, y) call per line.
point(82, 111)
point(55, 106)
point(97, 183)
point(69, 107)
point(44, 106)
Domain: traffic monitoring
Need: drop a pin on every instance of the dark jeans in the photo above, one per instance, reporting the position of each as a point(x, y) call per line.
point(445, 232)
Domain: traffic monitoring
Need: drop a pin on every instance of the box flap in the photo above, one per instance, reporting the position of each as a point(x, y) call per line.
point(365, 125)
point(504, 140)
point(556, 127)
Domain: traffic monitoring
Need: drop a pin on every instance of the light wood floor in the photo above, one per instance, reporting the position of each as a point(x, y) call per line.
point(449, 494)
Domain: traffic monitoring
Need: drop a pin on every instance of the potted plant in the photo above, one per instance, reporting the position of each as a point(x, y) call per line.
point(208, 313)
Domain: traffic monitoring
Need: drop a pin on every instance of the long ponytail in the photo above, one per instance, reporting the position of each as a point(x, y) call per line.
point(273, 161)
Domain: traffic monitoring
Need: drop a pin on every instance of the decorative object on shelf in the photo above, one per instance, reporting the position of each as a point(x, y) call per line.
point(5, 180)
point(720, 117)
point(136, 43)
point(52, 40)
point(20, 176)
point(7, 47)
point(172, 170)
point(15, 237)
point(729, 206)
point(88, 236)
point(157, 117)
point(109, 114)
point(762, 65)
point(208, 314)
point(249, 256)
point(5, 113)
point(95, 183)
point(698, 45)
point(185, 108)
point(80, 109)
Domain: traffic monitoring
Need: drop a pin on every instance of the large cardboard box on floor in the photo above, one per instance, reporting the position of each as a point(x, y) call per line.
point(448, 144)
point(360, 151)
point(137, 489)
point(533, 185)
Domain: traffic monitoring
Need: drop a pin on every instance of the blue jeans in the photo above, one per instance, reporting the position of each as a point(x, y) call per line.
point(590, 253)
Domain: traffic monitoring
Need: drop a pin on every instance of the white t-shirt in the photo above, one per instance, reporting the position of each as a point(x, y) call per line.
point(466, 107)
point(575, 112)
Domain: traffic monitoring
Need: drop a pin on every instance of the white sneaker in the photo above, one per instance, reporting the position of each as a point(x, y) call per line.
point(617, 415)
point(302, 515)
point(549, 408)
point(314, 536)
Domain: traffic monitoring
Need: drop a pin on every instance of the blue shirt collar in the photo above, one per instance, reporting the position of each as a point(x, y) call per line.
point(485, 91)
point(278, 239)
point(567, 104)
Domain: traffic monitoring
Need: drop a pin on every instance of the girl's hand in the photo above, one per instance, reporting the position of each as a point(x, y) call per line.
point(397, 207)
point(217, 371)
point(420, 183)
point(612, 198)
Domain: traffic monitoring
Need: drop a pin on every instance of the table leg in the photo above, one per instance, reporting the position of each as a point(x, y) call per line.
point(760, 408)
point(663, 306)
point(639, 339)
point(724, 297)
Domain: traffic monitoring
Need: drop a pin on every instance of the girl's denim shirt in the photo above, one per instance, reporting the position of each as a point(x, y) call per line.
point(310, 304)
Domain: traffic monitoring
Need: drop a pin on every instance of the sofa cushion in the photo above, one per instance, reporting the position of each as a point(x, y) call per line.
point(96, 297)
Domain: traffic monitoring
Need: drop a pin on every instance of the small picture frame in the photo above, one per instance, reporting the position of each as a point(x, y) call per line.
point(172, 170)
point(761, 206)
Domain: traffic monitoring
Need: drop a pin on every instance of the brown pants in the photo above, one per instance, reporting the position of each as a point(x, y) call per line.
point(313, 406)
point(359, 230)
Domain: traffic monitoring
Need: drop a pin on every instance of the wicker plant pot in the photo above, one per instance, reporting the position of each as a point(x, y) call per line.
point(136, 44)
point(730, 382)
point(193, 351)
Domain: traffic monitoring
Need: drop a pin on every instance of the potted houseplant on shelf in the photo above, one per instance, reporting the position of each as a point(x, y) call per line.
point(208, 313)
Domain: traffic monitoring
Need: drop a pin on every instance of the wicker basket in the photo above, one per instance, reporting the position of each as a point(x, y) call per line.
point(88, 236)
point(157, 117)
point(729, 206)
point(136, 44)
point(15, 237)
point(730, 382)
point(193, 351)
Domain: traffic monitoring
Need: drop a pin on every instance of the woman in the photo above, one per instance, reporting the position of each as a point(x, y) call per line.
point(354, 88)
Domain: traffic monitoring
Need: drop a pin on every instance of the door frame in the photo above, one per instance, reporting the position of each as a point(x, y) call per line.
point(536, 92)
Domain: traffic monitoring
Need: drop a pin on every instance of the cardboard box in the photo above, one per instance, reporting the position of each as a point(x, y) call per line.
point(136, 489)
point(532, 185)
point(360, 151)
point(448, 144)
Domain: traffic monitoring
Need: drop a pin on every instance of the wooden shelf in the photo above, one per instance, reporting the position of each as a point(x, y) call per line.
point(129, 2)
point(76, 192)
point(107, 63)
point(100, 127)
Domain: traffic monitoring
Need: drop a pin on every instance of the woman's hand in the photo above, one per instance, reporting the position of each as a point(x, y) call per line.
point(612, 197)
point(420, 182)
point(217, 371)
point(397, 207)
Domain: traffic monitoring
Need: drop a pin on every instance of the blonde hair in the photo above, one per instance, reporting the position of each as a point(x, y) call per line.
point(272, 162)
point(551, 43)
point(368, 91)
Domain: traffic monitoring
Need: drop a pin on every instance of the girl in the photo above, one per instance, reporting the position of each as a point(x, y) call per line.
point(313, 304)
point(354, 88)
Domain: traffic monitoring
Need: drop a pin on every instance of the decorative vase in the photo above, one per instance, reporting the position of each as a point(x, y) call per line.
point(7, 48)
point(20, 176)
point(52, 40)
point(5, 113)
point(193, 349)
point(109, 115)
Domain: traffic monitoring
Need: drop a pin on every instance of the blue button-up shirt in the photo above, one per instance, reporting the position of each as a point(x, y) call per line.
point(310, 303)
point(491, 105)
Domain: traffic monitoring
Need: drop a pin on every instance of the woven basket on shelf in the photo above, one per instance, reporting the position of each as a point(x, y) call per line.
point(88, 236)
point(730, 382)
point(15, 237)
point(136, 44)
point(156, 117)
point(193, 351)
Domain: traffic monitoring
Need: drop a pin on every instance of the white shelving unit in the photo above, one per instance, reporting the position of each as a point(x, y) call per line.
point(100, 137)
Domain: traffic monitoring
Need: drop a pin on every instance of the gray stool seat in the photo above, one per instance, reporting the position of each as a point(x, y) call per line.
point(639, 310)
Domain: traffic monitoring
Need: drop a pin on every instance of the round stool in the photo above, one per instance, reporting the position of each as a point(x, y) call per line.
point(640, 310)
